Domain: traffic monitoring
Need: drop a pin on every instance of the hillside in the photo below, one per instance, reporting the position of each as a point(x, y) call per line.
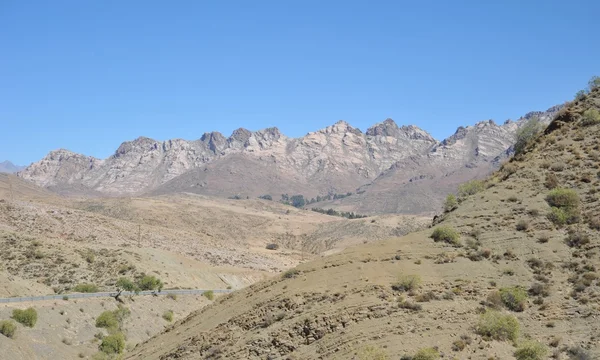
point(520, 279)
point(194, 227)
point(388, 168)
point(52, 244)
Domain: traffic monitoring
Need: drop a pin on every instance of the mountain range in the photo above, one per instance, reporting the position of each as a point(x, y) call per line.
point(9, 167)
point(388, 168)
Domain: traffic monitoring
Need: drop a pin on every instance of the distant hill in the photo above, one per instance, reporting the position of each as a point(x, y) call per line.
point(9, 167)
point(389, 168)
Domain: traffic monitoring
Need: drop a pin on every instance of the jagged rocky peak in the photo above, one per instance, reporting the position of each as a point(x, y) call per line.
point(64, 154)
point(215, 141)
point(240, 135)
point(416, 133)
point(214, 136)
point(389, 128)
point(142, 143)
point(386, 128)
point(460, 133)
point(341, 126)
point(271, 133)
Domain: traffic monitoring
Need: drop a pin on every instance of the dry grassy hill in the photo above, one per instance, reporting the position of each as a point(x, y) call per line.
point(519, 278)
point(50, 244)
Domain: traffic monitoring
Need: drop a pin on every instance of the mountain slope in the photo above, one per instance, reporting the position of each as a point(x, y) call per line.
point(345, 307)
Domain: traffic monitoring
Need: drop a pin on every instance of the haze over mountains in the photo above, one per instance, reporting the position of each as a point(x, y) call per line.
point(9, 167)
point(390, 168)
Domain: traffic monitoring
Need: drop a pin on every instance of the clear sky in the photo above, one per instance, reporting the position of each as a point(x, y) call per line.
point(88, 75)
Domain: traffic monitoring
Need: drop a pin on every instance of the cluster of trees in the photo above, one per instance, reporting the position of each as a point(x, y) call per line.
point(300, 201)
point(329, 197)
point(147, 282)
point(294, 200)
point(347, 215)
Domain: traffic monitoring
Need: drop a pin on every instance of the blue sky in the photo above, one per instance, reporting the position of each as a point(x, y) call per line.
point(88, 75)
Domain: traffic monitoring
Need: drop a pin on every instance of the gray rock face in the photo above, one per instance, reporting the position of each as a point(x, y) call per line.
point(418, 184)
point(8, 167)
point(338, 158)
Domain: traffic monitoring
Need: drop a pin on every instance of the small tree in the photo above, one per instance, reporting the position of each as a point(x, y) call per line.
point(124, 284)
point(150, 282)
point(298, 201)
point(451, 203)
point(526, 133)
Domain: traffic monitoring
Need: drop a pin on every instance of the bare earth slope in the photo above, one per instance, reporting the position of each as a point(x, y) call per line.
point(344, 306)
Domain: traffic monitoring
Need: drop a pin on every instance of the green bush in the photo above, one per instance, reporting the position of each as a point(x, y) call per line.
point(470, 188)
point(210, 295)
point(125, 284)
point(168, 315)
point(107, 320)
point(526, 133)
point(150, 282)
point(86, 288)
point(564, 216)
point(514, 298)
point(407, 283)
point(8, 328)
point(563, 198)
point(531, 350)
point(565, 206)
point(446, 234)
point(451, 203)
point(113, 344)
point(497, 326)
point(26, 317)
point(590, 117)
point(427, 354)
point(290, 274)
